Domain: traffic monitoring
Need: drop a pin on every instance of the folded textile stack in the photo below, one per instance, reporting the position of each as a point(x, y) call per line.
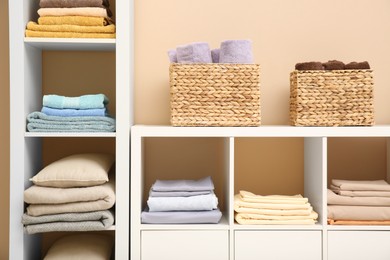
point(73, 19)
point(71, 194)
point(254, 209)
point(181, 202)
point(359, 202)
point(86, 113)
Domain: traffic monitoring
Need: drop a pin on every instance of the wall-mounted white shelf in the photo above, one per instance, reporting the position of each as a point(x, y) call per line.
point(76, 44)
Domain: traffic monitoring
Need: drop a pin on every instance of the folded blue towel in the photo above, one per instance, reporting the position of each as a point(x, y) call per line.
point(74, 112)
point(215, 55)
point(81, 102)
point(236, 51)
point(197, 52)
point(39, 122)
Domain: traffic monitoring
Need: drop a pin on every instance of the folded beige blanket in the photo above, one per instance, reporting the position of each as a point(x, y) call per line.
point(71, 28)
point(48, 200)
point(358, 212)
point(238, 202)
point(74, 20)
point(82, 11)
point(312, 215)
point(377, 185)
point(277, 199)
point(245, 220)
point(30, 33)
point(359, 222)
point(334, 199)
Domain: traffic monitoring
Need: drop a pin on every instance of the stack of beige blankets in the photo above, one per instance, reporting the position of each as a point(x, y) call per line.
point(273, 209)
point(71, 194)
point(72, 19)
point(359, 202)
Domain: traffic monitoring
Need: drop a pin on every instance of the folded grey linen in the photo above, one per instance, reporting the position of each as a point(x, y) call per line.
point(341, 212)
point(200, 202)
point(172, 56)
point(197, 52)
point(39, 122)
point(236, 51)
point(184, 185)
point(215, 55)
point(89, 221)
point(181, 217)
point(335, 199)
point(178, 193)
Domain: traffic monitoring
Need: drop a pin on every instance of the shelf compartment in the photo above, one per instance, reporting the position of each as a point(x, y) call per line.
point(72, 44)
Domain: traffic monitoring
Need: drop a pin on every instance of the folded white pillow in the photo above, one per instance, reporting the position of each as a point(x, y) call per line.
point(78, 170)
point(81, 246)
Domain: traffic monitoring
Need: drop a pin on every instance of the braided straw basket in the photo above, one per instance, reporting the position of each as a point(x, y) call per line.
point(331, 98)
point(215, 94)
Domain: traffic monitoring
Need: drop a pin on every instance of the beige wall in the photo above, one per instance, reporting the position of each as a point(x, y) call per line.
point(283, 33)
point(4, 130)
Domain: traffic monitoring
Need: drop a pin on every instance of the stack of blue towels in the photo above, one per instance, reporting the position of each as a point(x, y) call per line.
point(86, 113)
point(182, 202)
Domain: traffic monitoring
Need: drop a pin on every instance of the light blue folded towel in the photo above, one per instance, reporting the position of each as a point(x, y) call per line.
point(236, 51)
point(74, 112)
point(39, 122)
point(81, 102)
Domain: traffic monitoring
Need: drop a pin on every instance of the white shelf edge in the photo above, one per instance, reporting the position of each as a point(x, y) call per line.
point(357, 228)
point(261, 131)
point(76, 44)
point(222, 225)
point(277, 227)
point(69, 134)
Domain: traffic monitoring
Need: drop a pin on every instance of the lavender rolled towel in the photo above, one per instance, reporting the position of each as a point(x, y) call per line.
point(172, 56)
point(334, 65)
point(236, 51)
point(357, 66)
point(197, 52)
point(215, 55)
point(313, 65)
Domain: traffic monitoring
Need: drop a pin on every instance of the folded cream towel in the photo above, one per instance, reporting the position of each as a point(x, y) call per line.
point(277, 199)
point(74, 20)
point(334, 199)
point(41, 34)
point(239, 202)
point(376, 185)
point(82, 11)
point(274, 212)
point(312, 215)
point(71, 28)
point(245, 220)
point(47, 200)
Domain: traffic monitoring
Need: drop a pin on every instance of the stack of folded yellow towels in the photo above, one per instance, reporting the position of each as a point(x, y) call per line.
point(73, 19)
point(254, 209)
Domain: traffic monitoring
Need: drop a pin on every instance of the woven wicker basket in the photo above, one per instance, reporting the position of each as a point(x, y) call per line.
point(331, 98)
point(215, 94)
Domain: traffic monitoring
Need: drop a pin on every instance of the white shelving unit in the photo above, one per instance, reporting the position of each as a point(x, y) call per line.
point(26, 97)
point(229, 240)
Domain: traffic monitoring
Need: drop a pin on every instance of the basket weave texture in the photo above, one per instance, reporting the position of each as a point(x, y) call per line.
point(215, 94)
point(331, 98)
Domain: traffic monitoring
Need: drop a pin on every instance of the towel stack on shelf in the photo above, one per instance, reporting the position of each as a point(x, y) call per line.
point(182, 201)
point(73, 19)
point(273, 209)
point(74, 193)
point(359, 202)
point(86, 113)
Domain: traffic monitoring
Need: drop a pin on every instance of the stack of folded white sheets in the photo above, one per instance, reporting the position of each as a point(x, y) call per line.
point(359, 202)
point(181, 202)
point(252, 209)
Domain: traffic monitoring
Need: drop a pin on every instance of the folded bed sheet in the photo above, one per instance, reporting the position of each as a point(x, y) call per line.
point(376, 185)
point(238, 202)
point(335, 199)
point(246, 220)
point(277, 199)
point(358, 212)
point(200, 202)
point(359, 222)
point(181, 217)
point(205, 184)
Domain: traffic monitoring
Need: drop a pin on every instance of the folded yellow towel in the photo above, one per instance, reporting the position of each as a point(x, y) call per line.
point(33, 26)
point(84, 11)
point(273, 212)
point(239, 202)
point(246, 220)
point(312, 215)
point(74, 20)
point(42, 34)
point(278, 199)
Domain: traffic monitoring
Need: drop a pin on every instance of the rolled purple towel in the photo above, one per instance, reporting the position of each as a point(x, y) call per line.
point(236, 51)
point(334, 65)
point(357, 66)
point(215, 55)
point(312, 65)
point(172, 56)
point(197, 52)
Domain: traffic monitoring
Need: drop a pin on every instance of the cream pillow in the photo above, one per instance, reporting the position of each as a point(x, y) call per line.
point(81, 247)
point(78, 170)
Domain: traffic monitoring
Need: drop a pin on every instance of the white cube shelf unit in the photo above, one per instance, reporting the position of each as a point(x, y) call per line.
point(229, 240)
point(26, 97)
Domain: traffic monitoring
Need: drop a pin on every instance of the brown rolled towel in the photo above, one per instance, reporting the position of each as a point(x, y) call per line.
point(313, 65)
point(334, 65)
point(357, 66)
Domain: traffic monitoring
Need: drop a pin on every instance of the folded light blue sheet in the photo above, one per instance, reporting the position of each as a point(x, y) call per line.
point(181, 217)
point(39, 122)
point(81, 102)
point(74, 112)
point(184, 185)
